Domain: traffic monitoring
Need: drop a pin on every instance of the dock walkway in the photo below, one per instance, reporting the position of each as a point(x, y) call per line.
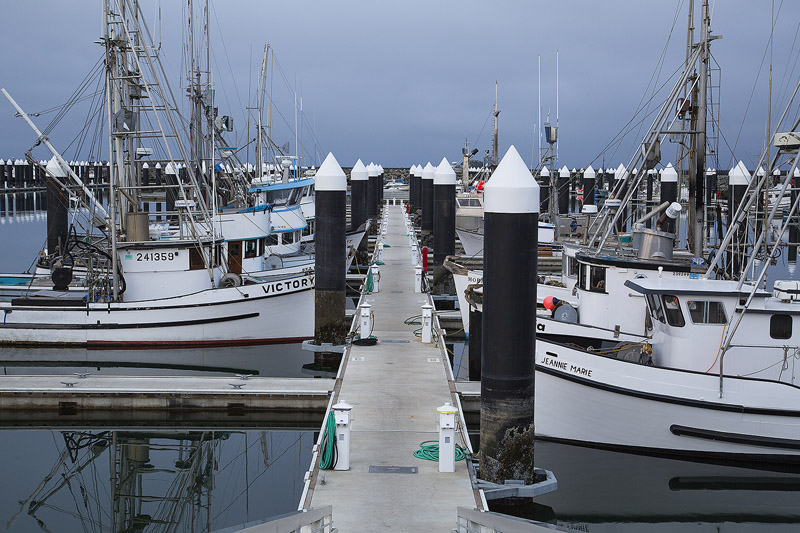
point(395, 388)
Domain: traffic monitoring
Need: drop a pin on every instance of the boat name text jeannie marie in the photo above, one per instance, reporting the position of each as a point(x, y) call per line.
point(567, 367)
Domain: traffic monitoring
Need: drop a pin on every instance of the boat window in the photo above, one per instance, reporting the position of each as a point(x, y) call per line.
point(672, 311)
point(656, 309)
point(572, 266)
point(780, 326)
point(278, 196)
point(295, 196)
point(583, 275)
point(309, 229)
point(597, 279)
point(195, 259)
point(272, 239)
point(250, 248)
point(262, 245)
point(702, 312)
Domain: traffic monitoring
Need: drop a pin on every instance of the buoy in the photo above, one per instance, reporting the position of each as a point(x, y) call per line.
point(550, 302)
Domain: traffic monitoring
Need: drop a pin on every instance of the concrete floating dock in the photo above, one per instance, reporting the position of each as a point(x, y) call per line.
point(235, 400)
point(395, 388)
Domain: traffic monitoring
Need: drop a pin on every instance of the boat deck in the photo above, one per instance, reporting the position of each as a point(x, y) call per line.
point(395, 388)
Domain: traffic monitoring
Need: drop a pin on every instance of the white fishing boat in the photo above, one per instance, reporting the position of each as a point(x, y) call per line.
point(715, 377)
point(145, 285)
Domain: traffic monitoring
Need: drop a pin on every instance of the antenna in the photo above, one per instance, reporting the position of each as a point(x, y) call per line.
point(557, 101)
point(540, 111)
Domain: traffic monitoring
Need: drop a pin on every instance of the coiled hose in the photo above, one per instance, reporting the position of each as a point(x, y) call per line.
point(329, 451)
point(429, 450)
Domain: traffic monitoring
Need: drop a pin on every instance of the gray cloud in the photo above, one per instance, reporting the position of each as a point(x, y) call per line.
point(405, 82)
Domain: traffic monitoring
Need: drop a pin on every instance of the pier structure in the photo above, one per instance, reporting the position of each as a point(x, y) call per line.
point(395, 387)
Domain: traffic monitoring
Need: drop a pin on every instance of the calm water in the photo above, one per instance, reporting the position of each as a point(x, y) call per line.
point(192, 479)
point(205, 480)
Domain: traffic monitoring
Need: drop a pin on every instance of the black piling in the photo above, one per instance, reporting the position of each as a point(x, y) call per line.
point(444, 226)
point(562, 188)
point(417, 179)
point(359, 180)
point(330, 324)
point(738, 179)
point(669, 193)
point(411, 187)
point(57, 208)
point(475, 340)
point(511, 216)
point(427, 199)
point(373, 194)
point(544, 186)
point(621, 188)
point(589, 178)
point(171, 183)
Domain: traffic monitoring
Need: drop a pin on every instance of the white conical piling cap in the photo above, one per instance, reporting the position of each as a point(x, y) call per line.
point(427, 172)
point(158, 166)
point(372, 170)
point(545, 172)
point(411, 169)
point(776, 172)
point(444, 174)
point(669, 175)
point(620, 173)
point(511, 189)
point(145, 165)
point(418, 171)
point(564, 172)
point(170, 169)
point(709, 171)
point(380, 169)
point(760, 172)
point(796, 173)
point(739, 175)
point(589, 173)
point(359, 172)
point(330, 176)
point(54, 169)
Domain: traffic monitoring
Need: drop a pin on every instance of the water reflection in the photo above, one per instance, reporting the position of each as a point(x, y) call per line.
point(158, 480)
point(285, 360)
point(603, 491)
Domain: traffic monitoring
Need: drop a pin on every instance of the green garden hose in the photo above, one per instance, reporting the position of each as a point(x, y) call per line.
point(429, 450)
point(329, 452)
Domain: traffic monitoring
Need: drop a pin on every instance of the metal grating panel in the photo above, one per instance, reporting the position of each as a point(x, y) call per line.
point(373, 469)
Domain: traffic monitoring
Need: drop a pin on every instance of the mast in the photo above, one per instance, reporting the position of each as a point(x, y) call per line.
point(540, 112)
point(494, 140)
point(697, 163)
point(261, 90)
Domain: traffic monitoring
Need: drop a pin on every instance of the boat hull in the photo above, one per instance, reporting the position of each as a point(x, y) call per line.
point(279, 311)
point(600, 401)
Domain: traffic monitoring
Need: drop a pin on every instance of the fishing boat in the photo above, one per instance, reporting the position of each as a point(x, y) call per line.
point(714, 378)
point(183, 285)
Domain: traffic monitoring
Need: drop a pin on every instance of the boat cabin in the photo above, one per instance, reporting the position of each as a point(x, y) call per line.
point(691, 319)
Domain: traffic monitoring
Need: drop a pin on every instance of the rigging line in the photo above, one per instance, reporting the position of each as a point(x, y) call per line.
point(755, 80)
point(787, 74)
point(485, 122)
point(56, 108)
point(72, 100)
point(658, 68)
point(274, 461)
point(95, 109)
point(623, 133)
point(227, 58)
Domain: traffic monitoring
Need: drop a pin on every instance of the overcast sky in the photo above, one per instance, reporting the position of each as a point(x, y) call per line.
point(406, 82)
